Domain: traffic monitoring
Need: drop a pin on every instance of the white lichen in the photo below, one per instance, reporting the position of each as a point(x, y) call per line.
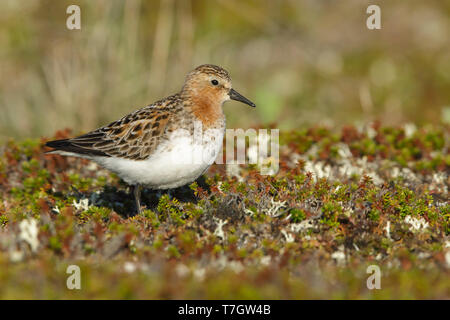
point(83, 204)
point(304, 225)
point(416, 224)
point(56, 210)
point(289, 237)
point(319, 169)
point(182, 270)
point(129, 267)
point(265, 261)
point(218, 232)
point(274, 210)
point(339, 256)
point(388, 230)
point(29, 233)
point(199, 274)
point(410, 129)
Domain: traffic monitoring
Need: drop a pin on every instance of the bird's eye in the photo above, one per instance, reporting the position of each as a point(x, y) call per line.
point(214, 82)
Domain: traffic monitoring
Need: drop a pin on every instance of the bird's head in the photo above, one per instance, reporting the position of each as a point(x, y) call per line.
point(212, 84)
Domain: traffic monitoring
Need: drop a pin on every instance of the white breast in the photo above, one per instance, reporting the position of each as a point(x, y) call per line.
point(178, 161)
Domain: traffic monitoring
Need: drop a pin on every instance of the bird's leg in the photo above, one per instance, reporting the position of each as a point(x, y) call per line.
point(137, 197)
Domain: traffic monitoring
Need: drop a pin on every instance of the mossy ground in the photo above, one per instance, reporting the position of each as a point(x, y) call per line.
point(342, 201)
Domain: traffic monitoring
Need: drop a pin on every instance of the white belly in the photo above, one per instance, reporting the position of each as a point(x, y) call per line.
point(173, 164)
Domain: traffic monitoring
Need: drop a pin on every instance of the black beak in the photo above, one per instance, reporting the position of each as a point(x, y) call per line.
point(234, 95)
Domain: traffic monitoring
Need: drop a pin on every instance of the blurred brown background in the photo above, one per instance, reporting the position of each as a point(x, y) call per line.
point(303, 62)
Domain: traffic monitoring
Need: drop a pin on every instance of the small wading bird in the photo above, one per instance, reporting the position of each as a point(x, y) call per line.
point(155, 146)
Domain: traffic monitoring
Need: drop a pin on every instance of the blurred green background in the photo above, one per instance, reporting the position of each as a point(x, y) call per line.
point(303, 62)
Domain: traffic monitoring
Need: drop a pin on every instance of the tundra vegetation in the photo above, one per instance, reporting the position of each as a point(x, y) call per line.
point(343, 200)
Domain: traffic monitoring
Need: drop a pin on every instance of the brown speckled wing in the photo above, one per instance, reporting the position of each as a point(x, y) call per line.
point(135, 136)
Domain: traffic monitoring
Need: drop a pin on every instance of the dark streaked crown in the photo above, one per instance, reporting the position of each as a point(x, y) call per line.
point(210, 69)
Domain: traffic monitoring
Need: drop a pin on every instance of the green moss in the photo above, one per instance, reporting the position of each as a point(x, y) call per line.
point(170, 208)
point(330, 213)
point(3, 220)
point(173, 252)
point(95, 213)
point(80, 183)
point(374, 215)
point(55, 243)
point(297, 215)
